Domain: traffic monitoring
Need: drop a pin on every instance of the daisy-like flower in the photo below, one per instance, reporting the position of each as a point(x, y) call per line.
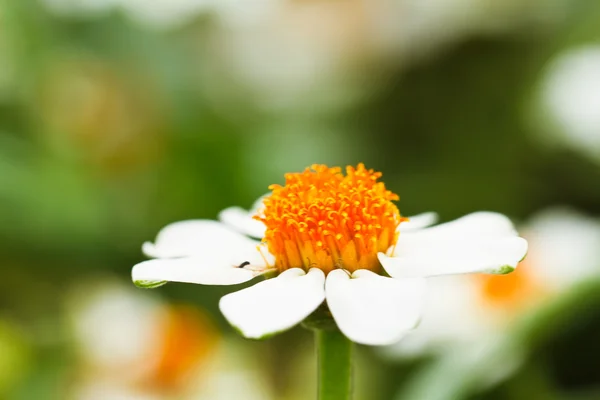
point(334, 238)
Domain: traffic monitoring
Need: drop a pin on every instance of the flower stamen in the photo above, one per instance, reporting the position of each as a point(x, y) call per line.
point(325, 219)
point(260, 250)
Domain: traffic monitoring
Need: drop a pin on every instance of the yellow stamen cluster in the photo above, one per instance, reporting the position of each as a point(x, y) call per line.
point(323, 219)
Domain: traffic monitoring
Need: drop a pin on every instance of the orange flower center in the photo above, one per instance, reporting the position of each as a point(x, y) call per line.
point(323, 219)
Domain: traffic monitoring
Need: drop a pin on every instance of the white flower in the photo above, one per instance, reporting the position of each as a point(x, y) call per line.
point(570, 98)
point(329, 237)
point(565, 247)
point(116, 330)
point(130, 339)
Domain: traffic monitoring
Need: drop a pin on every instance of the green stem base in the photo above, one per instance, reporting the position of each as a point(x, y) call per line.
point(334, 353)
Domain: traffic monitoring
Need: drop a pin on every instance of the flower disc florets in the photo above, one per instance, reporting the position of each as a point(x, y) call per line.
point(323, 219)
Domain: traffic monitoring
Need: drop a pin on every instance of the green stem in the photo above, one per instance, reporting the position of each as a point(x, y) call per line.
point(334, 353)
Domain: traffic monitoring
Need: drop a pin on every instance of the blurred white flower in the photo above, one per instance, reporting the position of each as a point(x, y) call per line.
point(327, 237)
point(450, 316)
point(563, 250)
point(322, 56)
point(570, 97)
point(565, 247)
point(116, 330)
point(297, 55)
point(131, 344)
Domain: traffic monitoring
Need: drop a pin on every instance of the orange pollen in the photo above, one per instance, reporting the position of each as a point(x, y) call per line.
point(323, 219)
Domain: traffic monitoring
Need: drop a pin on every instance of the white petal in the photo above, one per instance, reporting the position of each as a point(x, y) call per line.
point(204, 238)
point(258, 205)
point(154, 273)
point(373, 309)
point(423, 255)
point(478, 242)
point(419, 221)
point(483, 223)
point(276, 304)
point(242, 221)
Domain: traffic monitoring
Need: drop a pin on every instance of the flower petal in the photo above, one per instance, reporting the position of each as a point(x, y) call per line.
point(204, 238)
point(258, 205)
point(243, 221)
point(373, 309)
point(482, 223)
point(276, 304)
point(418, 221)
point(154, 273)
point(479, 242)
point(430, 255)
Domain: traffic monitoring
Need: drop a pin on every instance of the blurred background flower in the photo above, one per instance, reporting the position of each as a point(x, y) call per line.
point(483, 316)
point(120, 116)
point(570, 99)
point(130, 344)
point(563, 252)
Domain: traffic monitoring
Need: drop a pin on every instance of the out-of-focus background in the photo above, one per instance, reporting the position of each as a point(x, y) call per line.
point(120, 116)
